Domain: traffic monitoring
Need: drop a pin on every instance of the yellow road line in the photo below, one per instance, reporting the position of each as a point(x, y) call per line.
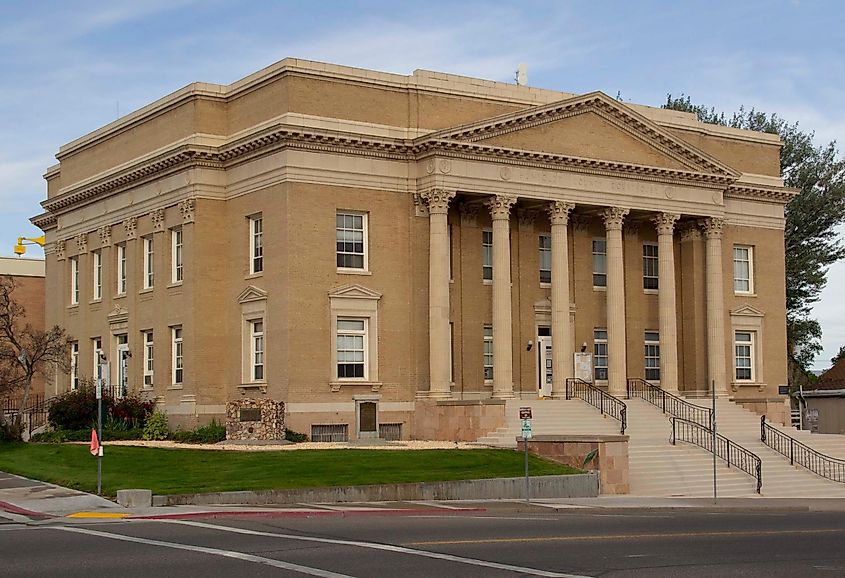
point(98, 515)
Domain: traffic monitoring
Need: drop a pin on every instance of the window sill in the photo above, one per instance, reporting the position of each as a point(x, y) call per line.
point(336, 385)
point(73, 307)
point(599, 288)
point(487, 281)
point(342, 271)
point(95, 301)
point(255, 275)
point(174, 284)
point(743, 294)
point(174, 387)
point(651, 291)
point(119, 296)
point(146, 290)
point(735, 385)
point(544, 285)
point(245, 387)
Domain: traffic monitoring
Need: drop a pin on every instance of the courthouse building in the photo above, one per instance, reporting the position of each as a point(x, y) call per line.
point(396, 254)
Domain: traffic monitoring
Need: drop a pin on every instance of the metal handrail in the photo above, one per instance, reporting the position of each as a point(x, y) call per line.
point(598, 398)
point(669, 402)
point(727, 450)
point(802, 454)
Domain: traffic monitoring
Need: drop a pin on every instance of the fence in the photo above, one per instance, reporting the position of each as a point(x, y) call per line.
point(801, 454)
point(599, 399)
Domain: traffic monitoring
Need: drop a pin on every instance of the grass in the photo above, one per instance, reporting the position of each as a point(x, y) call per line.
point(177, 471)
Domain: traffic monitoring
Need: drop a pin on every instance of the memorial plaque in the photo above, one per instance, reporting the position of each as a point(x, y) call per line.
point(250, 414)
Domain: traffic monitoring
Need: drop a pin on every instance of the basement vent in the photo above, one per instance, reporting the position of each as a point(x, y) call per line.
point(330, 433)
point(390, 431)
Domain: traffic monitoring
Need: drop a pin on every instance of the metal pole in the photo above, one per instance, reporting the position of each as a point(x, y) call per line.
point(713, 424)
point(100, 438)
point(527, 486)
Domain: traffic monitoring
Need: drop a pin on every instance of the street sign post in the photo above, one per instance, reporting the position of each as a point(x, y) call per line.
point(104, 379)
point(525, 416)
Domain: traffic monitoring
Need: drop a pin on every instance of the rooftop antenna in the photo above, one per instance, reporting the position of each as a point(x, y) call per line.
point(522, 74)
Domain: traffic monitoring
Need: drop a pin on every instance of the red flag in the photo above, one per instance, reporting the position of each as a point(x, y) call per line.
point(95, 443)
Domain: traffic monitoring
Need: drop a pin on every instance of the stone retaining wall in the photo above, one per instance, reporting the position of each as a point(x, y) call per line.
point(269, 425)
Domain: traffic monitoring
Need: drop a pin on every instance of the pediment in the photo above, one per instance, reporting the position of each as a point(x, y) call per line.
point(747, 311)
point(252, 293)
point(592, 126)
point(118, 315)
point(353, 291)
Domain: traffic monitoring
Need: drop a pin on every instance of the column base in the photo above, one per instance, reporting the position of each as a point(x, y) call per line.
point(434, 394)
point(503, 395)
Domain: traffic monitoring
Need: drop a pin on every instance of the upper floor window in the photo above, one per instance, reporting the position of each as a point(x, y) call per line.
point(148, 358)
point(650, 266)
point(652, 356)
point(599, 263)
point(743, 269)
point(256, 244)
point(149, 254)
point(257, 352)
point(176, 256)
point(74, 365)
point(487, 255)
point(74, 280)
point(351, 348)
point(351, 240)
point(744, 355)
point(98, 275)
point(121, 269)
point(545, 259)
point(176, 354)
point(600, 354)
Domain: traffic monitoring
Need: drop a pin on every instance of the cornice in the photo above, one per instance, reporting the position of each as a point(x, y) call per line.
point(761, 193)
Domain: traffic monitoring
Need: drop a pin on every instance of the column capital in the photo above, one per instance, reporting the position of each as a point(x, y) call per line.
point(613, 217)
point(712, 227)
point(157, 218)
point(438, 200)
point(665, 222)
point(130, 227)
point(689, 231)
point(559, 212)
point(500, 206)
point(60, 250)
point(82, 242)
point(186, 208)
point(104, 233)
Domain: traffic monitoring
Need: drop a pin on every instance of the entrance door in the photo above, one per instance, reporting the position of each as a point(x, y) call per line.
point(544, 365)
point(123, 365)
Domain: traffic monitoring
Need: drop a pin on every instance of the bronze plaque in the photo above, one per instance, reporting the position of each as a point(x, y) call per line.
point(250, 414)
point(367, 417)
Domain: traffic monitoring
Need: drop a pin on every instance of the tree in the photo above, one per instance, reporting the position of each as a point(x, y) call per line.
point(839, 355)
point(25, 352)
point(811, 241)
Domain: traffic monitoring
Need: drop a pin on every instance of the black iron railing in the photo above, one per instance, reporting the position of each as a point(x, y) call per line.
point(801, 454)
point(669, 403)
point(598, 398)
point(731, 452)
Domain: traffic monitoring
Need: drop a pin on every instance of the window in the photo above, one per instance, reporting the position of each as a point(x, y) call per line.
point(487, 255)
point(351, 241)
point(599, 263)
point(600, 354)
point(744, 355)
point(488, 353)
point(122, 358)
point(176, 255)
point(74, 365)
point(743, 269)
point(650, 266)
point(121, 269)
point(98, 275)
point(149, 254)
point(545, 259)
point(177, 353)
point(351, 348)
point(97, 344)
point(74, 280)
point(652, 356)
point(257, 352)
point(256, 245)
point(148, 358)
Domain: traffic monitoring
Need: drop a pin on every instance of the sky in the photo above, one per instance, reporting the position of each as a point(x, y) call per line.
point(71, 66)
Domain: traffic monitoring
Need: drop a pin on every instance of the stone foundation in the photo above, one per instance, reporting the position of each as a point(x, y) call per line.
point(776, 409)
point(255, 419)
point(463, 421)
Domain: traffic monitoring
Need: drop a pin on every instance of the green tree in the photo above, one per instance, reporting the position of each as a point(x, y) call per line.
point(811, 242)
point(839, 355)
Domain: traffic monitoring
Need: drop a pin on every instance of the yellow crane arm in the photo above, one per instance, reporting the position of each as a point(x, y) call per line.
point(20, 248)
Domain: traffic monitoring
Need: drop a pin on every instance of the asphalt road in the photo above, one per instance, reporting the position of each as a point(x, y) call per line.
point(501, 543)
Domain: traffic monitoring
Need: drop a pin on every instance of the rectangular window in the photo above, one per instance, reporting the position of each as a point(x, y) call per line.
point(256, 245)
point(74, 365)
point(351, 348)
point(149, 254)
point(652, 356)
point(177, 353)
point(351, 241)
point(600, 354)
point(599, 263)
point(74, 280)
point(148, 358)
point(650, 266)
point(545, 259)
point(97, 344)
point(98, 275)
point(488, 353)
point(176, 255)
point(121, 269)
point(257, 353)
point(487, 255)
point(743, 269)
point(744, 355)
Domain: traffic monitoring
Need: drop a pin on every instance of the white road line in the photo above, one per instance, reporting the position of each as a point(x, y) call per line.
point(213, 551)
point(435, 505)
point(385, 547)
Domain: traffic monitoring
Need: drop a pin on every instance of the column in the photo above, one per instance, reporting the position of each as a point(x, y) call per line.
point(617, 350)
point(561, 331)
point(665, 225)
point(500, 208)
point(439, 341)
point(715, 305)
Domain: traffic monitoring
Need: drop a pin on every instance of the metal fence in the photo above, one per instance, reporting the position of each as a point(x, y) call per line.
point(801, 454)
point(599, 399)
point(669, 403)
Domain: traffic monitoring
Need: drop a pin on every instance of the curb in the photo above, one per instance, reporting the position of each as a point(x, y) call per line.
point(310, 513)
point(13, 509)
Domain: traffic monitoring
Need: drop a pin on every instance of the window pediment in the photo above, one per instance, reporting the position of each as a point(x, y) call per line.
point(746, 311)
point(252, 293)
point(353, 291)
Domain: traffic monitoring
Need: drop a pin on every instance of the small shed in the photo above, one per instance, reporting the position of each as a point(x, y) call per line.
point(823, 404)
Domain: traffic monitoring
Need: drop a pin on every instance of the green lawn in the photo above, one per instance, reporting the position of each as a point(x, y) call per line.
point(176, 471)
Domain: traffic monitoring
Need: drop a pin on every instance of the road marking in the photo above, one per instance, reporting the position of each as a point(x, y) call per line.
point(435, 505)
point(385, 547)
point(99, 515)
point(213, 551)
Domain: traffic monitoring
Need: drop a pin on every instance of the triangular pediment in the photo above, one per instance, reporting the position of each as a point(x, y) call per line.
point(592, 126)
point(353, 291)
point(747, 311)
point(252, 293)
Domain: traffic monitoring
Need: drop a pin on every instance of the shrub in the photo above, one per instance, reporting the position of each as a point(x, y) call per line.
point(76, 409)
point(294, 436)
point(209, 434)
point(132, 410)
point(156, 427)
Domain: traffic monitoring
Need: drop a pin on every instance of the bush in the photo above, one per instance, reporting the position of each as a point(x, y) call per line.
point(131, 410)
point(76, 409)
point(294, 436)
point(156, 427)
point(209, 434)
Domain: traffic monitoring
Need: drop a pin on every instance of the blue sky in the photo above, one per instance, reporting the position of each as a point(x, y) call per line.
point(69, 67)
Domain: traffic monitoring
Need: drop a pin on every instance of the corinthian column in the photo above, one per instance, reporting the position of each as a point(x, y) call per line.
point(617, 366)
point(500, 208)
point(438, 292)
point(665, 225)
point(715, 305)
point(561, 340)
